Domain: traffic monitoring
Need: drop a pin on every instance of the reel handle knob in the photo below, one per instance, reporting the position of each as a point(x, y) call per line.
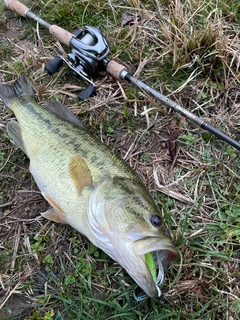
point(86, 93)
point(54, 65)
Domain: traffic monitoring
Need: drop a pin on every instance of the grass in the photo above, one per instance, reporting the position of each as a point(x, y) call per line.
point(188, 50)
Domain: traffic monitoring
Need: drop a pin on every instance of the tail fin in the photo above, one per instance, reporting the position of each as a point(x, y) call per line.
point(21, 87)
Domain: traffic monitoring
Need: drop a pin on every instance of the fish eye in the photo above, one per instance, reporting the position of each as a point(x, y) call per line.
point(156, 220)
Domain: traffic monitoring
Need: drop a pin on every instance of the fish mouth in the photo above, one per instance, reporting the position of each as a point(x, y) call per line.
point(155, 258)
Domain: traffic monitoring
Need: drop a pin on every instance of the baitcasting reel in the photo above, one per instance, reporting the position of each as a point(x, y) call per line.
point(89, 49)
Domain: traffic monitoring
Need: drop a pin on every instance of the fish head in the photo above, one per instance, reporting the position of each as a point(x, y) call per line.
point(125, 223)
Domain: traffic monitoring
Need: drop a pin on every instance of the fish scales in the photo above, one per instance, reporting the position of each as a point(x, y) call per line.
point(39, 136)
point(39, 125)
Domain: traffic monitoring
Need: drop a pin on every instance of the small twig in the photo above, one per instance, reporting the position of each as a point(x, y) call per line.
point(16, 244)
point(228, 293)
point(15, 288)
point(6, 204)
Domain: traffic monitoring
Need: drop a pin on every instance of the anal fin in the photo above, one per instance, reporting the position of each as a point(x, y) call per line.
point(14, 131)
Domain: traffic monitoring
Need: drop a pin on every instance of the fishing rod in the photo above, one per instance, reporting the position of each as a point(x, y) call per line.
point(88, 55)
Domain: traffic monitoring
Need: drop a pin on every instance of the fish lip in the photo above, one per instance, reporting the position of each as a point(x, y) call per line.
point(159, 246)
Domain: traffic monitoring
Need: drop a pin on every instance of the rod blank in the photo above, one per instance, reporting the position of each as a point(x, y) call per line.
point(195, 119)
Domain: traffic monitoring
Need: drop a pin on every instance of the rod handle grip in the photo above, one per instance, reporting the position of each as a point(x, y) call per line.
point(61, 34)
point(115, 69)
point(16, 6)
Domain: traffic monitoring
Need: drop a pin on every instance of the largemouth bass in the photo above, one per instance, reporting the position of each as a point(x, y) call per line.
point(89, 187)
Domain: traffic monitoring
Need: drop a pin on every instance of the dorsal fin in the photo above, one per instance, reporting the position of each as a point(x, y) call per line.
point(14, 131)
point(63, 112)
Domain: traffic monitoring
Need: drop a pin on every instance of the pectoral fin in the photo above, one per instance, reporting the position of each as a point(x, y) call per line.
point(14, 131)
point(55, 214)
point(80, 173)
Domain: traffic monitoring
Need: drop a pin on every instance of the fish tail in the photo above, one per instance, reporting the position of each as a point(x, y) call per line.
point(21, 87)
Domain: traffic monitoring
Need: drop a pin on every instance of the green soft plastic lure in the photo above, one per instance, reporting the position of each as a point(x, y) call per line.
point(151, 265)
point(158, 275)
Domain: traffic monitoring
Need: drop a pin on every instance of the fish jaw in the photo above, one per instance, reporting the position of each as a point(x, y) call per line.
point(125, 241)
